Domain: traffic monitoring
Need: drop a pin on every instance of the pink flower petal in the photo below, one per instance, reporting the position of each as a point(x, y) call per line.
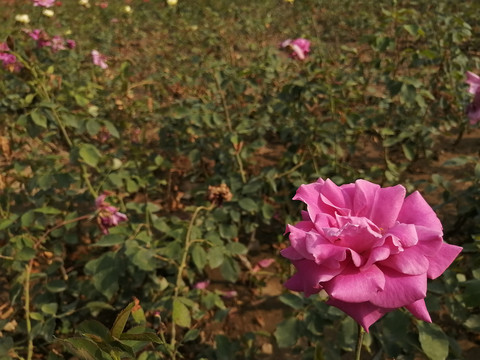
point(400, 290)
point(415, 210)
point(356, 286)
point(442, 260)
point(419, 310)
point(363, 313)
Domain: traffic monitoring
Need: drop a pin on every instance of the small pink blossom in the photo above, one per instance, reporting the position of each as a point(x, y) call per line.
point(371, 249)
point(108, 215)
point(473, 109)
point(202, 285)
point(9, 61)
point(44, 3)
point(99, 59)
point(57, 43)
point(41, 37)
point(300, 47)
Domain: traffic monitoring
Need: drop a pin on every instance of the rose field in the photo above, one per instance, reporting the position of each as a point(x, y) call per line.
point(229, 180)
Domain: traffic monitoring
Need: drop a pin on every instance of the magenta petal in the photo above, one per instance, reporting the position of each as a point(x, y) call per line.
point(416, 211)
point(363, 313)
point(354, 285)
point(474, 81)
point(410, 262)
point(307, 278)
point(419, 310)
point(291, 254)
point(442, 259)
point(386, 206)
point(406, 234)
point(400, 289)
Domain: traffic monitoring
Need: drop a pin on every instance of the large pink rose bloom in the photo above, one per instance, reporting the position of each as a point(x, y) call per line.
point(369, 248)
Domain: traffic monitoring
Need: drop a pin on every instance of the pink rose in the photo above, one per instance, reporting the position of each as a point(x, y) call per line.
point(300, 47)
point(9, 61)
point(99, 59)
point(369, 248)
point(473, 109)
point(108, 215)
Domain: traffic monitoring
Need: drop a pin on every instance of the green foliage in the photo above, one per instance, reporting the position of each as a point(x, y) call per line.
point(197, 95)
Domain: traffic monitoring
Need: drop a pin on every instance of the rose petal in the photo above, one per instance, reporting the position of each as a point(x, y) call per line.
point(363, 313)
point(415, 210)
point(354, 285)
point(419, 310)
point(400, 290)
point(410, 262)
point(442, 259)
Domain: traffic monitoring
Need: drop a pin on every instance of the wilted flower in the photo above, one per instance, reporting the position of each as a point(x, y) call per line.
point(48, 12)
point(473, 109)
point(369, 248)
point(99, 59)
point(218, 194)
point(300, 47)
point(71, 44)
point(44, 3)
point(22, 18)
point(108, 215)
point(229, 294)
point(172, 2)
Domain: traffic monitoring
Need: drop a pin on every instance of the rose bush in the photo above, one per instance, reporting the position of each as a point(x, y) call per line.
point(369, 248)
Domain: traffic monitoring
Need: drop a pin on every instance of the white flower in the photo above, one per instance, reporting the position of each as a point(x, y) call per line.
point(172, 2)
point(84, 3)
point(48, 12)
point(127, 9)
point(22, 18)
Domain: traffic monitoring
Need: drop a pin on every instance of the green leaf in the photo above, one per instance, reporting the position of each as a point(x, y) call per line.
point(56, 286)
point(110, 240)
point(85, 349)
point(236, 248)
point(49, 309)
point(286, 333)
point(181, 314)
point(215, 256)
point(48, 210)
point(433, 340)
point(293, 300)
point(147, 336)
point(90, 154)
point(471, 295)
point(121, 320)
point(191, 335)
point(199, 256)
point(230, 270)
point(93, 127)
point(95, 328)
point(38, 118)
point(248, 204)
point(5, 223)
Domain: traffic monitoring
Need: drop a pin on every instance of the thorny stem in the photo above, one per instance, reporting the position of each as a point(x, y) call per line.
point(230, 128)
point(182, 266)
point(28, 271)
point(358, 349)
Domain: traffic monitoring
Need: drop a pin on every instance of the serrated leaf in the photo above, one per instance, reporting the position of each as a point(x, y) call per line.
point(38, 118)
point(181, 314)
point(121, 320)
point(199, 256)
point(149, 337)
point(433, 340)
point(90, 154)
point(286, 332)
point(248, 204)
